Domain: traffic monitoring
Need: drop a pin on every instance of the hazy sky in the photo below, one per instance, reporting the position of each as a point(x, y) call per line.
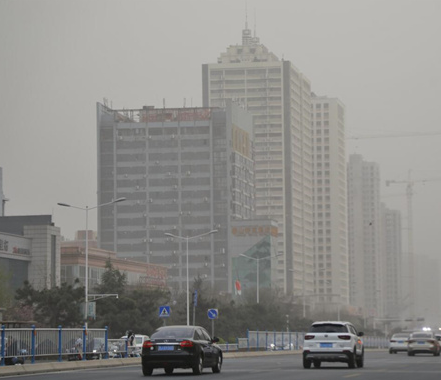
point(381, 58)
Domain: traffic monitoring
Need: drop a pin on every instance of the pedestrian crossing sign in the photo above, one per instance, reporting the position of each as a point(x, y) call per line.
point(164, 311)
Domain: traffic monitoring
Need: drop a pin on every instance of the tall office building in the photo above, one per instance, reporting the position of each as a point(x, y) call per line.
point(279, 97)
point(364, 236)
point(394, 303)
point(185, 172)
point(331, 263)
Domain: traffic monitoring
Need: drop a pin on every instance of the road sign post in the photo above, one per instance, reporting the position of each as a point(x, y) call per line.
point(212, 314)
point(195, 303)
point(164, 312)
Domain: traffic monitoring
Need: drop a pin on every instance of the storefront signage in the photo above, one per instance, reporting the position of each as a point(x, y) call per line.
point(14, 244)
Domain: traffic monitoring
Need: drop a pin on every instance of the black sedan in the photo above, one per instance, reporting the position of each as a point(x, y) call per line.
point(173, 347)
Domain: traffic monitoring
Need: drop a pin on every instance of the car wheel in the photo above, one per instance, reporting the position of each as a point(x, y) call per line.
point(218, 366)
point(168, 370)
point(351, 358)
point(409, 353)
point(391, 351)
point(199, 366)
point(147, 370)
point(360, 360)
point(306, 363)
point(317, 363)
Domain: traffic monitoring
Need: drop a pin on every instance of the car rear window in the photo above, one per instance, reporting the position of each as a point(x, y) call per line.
point(328, 328)
point(395, 336)
point(421, 335)
point(173, 333)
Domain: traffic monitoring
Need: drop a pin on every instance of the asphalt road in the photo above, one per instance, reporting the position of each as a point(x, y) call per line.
point(379, 365)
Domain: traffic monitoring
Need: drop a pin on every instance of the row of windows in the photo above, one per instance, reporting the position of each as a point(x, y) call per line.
point(319, 105)
point(319, 123)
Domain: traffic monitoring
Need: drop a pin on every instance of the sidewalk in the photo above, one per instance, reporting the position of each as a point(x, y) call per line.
point(29, 369)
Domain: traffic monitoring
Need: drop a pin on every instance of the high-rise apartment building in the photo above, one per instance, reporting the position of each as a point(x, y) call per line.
point(185, 172)
point(279, 97)
point(331, 262)
point(394, 303)
point(427, 291)
point(364, 236)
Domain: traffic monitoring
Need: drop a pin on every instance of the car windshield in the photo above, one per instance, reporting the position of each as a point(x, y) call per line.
point(181, 332)
point(328, 328)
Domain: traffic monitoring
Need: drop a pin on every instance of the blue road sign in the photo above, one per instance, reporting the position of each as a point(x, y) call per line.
point(213, 313)
point(164, 311)
point(195, 298)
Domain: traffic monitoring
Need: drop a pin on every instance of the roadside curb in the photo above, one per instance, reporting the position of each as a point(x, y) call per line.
point(29, 369)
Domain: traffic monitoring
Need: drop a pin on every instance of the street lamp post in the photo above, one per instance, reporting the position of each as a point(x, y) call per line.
point(257, 260)
point(303, 291)
point(187, 238)
point(86, 264)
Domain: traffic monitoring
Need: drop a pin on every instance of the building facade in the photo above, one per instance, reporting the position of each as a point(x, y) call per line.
point(137, 274)
point(394, 303)
point(364, 236)
point(30, 250)
point(427, 291)
point(279, 97)
point(254, 261)
point(331, 261)
point(184, 172)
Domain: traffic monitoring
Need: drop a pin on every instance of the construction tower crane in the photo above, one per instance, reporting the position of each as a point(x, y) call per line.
point(409, 193)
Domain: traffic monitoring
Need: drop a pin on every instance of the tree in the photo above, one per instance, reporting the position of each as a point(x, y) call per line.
point(112, 281)
point(55, 306)
point(136, 308)
point(5, 291)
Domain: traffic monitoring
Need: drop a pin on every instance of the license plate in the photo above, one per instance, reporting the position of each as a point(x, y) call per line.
point(421, 342)
point(325, 345)
point(165, 348)
point(401, 341)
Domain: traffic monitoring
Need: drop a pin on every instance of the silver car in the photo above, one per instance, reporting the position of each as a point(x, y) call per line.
point(398, 342)
point(423, 342)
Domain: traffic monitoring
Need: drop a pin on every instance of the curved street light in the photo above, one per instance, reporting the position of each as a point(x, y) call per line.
point(86, 280)
point(187, 238)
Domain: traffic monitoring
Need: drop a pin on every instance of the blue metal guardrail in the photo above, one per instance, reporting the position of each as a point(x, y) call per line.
point(81, 344)
point(20, 344)
point(275, 340)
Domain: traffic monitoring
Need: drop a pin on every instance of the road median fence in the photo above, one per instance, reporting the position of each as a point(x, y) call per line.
point(20, 345)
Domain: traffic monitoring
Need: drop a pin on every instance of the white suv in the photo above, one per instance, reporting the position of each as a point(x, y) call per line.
point(333, 341)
